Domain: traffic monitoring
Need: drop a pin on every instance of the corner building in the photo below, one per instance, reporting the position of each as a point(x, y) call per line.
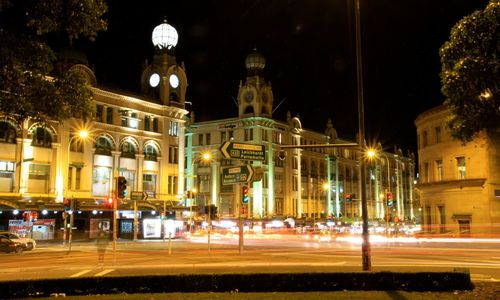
point(139, 137)
point(295, 179)
point(459, 185)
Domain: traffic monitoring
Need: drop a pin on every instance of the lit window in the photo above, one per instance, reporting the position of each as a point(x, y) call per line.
point(461, 168)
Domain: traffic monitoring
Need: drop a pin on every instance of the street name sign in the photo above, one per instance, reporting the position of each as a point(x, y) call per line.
point(243, 151)
point(138, 196)
point(241, 174)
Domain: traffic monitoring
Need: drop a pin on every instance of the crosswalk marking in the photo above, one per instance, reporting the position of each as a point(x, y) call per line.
point(79, 273)
point(104, 272)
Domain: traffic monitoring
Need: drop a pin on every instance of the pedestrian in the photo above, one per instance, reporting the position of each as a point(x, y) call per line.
point(102, 243)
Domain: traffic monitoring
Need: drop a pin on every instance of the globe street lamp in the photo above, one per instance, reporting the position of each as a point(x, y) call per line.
point(82, 135)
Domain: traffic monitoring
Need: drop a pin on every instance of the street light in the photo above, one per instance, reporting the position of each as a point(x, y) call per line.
point(373, 153)
point(365, 246)
point(82, 135)
point(204, 157)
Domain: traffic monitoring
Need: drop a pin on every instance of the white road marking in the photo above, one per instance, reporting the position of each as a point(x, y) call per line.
point(79, 273)
point(102, 273)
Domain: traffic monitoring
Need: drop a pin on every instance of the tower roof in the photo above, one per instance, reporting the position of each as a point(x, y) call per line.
point(165, 36)
point(255, 61)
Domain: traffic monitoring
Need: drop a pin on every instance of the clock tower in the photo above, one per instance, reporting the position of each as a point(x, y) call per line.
point(164, 80)
point(255, 96)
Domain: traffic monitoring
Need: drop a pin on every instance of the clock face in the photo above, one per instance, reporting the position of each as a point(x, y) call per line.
point(154, 80)
point(174, 81)
point(249, 96)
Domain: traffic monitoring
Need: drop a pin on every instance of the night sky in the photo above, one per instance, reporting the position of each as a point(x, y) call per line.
point(310, 52)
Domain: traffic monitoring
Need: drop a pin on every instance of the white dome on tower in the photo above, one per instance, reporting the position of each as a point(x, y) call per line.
point(165, 36)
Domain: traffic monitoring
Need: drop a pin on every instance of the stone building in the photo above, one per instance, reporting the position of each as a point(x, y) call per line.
point(459, 185)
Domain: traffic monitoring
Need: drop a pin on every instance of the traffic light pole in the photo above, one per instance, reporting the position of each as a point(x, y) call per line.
point(240, 223)
point(209, 219)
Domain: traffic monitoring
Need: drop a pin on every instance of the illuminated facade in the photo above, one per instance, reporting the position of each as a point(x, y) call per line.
point(301, 182)
point(138, 137)
point(459, 184)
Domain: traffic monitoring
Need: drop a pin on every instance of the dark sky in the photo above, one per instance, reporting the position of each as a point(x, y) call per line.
point(310, 53)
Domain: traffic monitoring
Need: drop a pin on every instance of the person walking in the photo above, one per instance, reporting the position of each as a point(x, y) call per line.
point(102, 243)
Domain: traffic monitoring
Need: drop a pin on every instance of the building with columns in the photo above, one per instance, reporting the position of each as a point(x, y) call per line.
point(139, 137)
point(297, 177)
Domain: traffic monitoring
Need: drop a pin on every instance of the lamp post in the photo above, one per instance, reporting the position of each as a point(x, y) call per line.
point(365, 246)
point(372, 153)
point(82, 135)
point(204, 157)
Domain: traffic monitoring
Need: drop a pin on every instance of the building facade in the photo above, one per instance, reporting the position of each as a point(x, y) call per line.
point(459, 185)
point(298, 177)
point(139, 137)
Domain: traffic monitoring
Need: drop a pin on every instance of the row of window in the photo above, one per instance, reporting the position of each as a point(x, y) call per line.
point(130, 119)
point(438, 175)
point(425, 140)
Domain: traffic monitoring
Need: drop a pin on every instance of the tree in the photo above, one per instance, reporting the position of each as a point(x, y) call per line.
point(470, 74)
point(30, 85)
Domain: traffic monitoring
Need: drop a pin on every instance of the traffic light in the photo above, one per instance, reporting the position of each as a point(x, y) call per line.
point(67, 204)
point(389, 199)
point(211, 210)
point(348, 198)
point(121, 189)
point(170, 215)
point(245, 194)
point(109, 202)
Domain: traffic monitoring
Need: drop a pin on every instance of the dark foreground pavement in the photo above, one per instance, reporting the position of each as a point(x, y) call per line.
point(242, 285)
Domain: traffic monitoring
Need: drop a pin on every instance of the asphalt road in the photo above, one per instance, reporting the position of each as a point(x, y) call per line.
point(260, 254)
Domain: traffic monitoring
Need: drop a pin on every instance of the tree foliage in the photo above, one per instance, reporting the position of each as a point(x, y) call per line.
point(30, 86)
point(470, 73)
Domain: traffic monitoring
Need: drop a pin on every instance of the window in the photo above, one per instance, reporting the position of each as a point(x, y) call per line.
point(103, 146)
point(7, 133)
point(172, 184)
point(461, 167)
point(129, 119)
point(147, 123)
point(99, 112)
point(101, 181)
point(438, 134)
point(150, 152)
point(424, 139)
point(223, 136)
point(295, 183)
point(200, 139)
point(264, 135)
point(295, 163)
point(76, 143)
point(439, 170)
point(77, 176)
point(155, 124)
point(426, 171)
point(208, 138)
point(39, 176)
point(41, 137)
point(6, 176)
point(173, 155)
point(173, 130)
point(149, 184)
point(128, 149)
point(249, 134)
point(109, 115)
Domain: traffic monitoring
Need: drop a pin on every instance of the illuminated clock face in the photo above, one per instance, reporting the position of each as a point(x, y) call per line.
point(174, 81)
point(249, 96)
point(154, 80)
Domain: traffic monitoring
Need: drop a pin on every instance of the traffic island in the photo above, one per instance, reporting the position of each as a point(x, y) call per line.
point(257, 282)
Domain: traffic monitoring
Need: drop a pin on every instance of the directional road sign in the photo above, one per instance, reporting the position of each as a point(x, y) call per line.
point(243, 151)
point(241, 174)
point(138, 196)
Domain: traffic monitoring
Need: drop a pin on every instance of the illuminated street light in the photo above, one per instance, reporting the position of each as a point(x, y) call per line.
point(82, 135)
point(365, 246)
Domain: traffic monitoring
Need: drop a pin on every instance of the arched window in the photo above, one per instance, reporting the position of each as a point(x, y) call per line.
point(128, 149)
point(150, 152)
point(7, 132)
point(103, 146)
point(41, 137)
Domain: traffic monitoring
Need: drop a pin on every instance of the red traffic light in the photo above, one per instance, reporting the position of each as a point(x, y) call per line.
point(389, 196)
point(245, 197)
